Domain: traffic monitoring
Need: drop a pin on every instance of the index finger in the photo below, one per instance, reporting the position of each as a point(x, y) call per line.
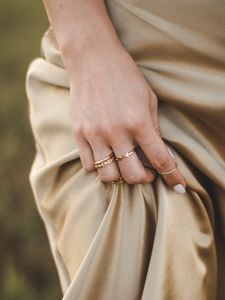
point(160, 158)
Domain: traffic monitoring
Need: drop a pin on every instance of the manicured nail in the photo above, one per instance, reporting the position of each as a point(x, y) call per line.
point(179, 188)
point(170, 152)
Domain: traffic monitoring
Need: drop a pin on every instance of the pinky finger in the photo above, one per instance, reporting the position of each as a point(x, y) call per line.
point(86, 154)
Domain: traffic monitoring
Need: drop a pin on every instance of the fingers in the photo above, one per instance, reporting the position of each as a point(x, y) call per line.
point(101, 149)
point(93, 148)
point(86, 153)
point(172, 176)
point(160, 157)
point(131, 168)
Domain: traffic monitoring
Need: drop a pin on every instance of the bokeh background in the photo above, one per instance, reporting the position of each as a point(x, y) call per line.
point(27, 270)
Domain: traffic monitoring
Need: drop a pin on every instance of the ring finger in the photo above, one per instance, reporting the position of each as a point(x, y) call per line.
point(110, 171)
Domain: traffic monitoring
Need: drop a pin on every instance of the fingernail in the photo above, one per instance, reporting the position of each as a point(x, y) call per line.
point(179, 188)
point(170, 152)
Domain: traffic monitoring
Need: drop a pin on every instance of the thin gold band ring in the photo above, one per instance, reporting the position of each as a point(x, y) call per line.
point(126, 154)
point(120, 180)
point(168, 172)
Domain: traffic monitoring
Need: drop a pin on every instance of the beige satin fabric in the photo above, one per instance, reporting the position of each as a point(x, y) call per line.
point(143, 241)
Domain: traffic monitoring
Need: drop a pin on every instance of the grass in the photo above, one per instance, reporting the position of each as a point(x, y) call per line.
point(27, 270)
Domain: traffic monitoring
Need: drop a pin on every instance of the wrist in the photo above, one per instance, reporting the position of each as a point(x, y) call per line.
point(74, 48)
point(78, 55)
point(88, 32)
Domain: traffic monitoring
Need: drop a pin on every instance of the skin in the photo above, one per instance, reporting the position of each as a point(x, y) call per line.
point(113, 107)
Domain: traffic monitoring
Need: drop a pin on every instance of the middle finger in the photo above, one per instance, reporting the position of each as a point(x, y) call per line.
point(130, 165)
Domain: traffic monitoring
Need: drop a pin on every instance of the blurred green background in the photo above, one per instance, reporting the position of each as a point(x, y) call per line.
point(27, 270)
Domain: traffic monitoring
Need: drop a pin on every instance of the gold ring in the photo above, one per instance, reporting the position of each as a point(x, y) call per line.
point(126, 155)
point(168, 172)
point(105, 161)
point(120, 180)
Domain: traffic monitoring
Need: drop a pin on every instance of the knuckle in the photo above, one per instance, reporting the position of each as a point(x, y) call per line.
point(91, 130)
point(133, 179)
point(87, 163)
point(88, 167)
point(110, 128)
point(77, 130)
point(161, 162)
point(135, 123)
point(109, 177)
point(148, 179)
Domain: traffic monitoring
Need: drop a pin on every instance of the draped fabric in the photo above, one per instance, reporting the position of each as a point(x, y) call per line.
point(141, 241)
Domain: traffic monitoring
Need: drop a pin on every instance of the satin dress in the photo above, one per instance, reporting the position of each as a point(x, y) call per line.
point(141, 241)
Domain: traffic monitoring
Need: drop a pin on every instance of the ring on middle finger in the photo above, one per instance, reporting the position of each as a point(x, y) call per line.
point(126, 154)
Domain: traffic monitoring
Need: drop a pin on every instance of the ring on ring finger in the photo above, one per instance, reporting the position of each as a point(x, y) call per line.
point(105, 161)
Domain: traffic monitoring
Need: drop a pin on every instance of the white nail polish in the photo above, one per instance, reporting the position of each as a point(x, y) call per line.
point(179, 188)
point(170, 152)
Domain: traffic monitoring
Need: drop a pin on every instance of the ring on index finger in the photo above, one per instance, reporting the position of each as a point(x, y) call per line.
point(168, 172)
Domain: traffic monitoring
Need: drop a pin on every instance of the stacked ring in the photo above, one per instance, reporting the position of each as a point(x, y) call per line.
point(105, 161)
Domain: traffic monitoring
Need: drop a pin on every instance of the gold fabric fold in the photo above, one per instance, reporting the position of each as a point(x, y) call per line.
point(143, 241)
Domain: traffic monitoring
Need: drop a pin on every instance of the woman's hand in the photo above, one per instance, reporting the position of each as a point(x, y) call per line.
point(114, 109)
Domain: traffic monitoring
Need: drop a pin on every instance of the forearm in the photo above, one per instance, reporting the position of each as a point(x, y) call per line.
point(80, 26)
